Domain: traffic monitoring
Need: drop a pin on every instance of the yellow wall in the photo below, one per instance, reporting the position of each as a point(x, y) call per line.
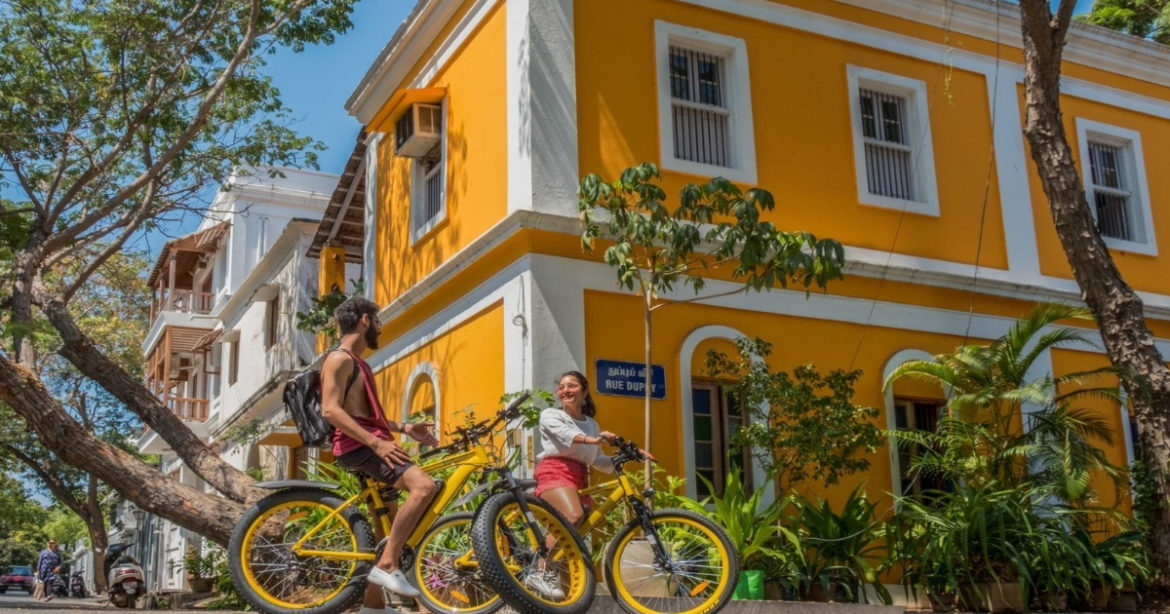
point(1069, 361)
point(467, 375)
point(476, 167)
point(1141, 271)
point(801, 115)
point(613, 331)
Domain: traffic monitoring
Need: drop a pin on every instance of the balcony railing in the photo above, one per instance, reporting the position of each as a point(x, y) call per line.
point(183, 301)
point(187, 408)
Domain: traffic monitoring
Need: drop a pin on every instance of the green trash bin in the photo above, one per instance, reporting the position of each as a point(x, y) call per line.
point(750, 585)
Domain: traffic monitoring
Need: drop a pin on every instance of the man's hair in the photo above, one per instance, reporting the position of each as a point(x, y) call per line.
point(349, 313)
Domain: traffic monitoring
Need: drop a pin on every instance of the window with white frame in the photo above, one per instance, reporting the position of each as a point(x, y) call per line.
point(704, 103)
point(428, 185)
point(891, 141)
point(1115, 185)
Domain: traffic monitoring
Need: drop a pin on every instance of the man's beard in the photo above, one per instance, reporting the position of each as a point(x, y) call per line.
point(371, 338)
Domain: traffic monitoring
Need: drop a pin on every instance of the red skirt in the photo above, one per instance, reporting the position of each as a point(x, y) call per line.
point(557, 472)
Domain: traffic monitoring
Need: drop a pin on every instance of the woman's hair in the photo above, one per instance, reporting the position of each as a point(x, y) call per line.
point(588, 407)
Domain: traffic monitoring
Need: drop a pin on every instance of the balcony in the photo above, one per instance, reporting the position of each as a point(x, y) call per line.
point(181, 301)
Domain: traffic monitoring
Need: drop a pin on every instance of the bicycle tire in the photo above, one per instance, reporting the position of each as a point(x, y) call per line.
point(498, 536)
point(700, 584)
point(276, 581)
point(444, 587)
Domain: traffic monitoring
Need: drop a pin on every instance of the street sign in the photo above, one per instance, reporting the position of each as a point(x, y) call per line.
point(628, 379)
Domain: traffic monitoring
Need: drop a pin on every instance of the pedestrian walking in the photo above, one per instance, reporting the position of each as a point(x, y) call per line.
point(48, 566)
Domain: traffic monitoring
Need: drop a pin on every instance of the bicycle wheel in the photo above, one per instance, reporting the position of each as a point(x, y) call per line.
point(509, 558)
point(698, 576)
point(446, 572)
point(276, 580)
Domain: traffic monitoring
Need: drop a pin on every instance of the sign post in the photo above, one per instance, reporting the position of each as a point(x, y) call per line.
point(628, 379)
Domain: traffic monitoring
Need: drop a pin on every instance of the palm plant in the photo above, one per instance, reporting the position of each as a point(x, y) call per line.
point(979, 441)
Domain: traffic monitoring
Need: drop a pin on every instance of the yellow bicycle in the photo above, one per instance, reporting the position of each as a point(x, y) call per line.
point(665, 561)
point(306, 550)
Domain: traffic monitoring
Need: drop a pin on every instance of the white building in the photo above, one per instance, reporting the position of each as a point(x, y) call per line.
point(224, 336)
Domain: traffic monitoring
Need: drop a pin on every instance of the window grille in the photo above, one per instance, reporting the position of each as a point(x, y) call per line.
point(701, 116)
point(889, 157)
point(1111, 193)
point(432, 190)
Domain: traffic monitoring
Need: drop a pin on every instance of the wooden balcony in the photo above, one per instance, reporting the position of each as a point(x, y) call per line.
point(187, 409)
point(181, 301)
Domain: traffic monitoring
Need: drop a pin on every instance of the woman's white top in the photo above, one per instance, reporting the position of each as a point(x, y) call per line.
point(557, 430)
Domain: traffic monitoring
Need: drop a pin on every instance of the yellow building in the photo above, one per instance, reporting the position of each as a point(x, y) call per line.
point(893, 126)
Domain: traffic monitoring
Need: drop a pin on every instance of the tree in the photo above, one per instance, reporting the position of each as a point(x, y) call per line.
point(978, 440)
point(114, 308)
point(20, 517)
point(1118, 309)
point(1145, 18)
point(115, 118)
point(716, 225)
point(806, 426)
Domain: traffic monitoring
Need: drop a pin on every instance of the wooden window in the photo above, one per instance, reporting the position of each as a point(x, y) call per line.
point(272, 321)
point(233, 361)
point(922, 415)
point(715, 418)
point(1109, 185)
point(699, 111)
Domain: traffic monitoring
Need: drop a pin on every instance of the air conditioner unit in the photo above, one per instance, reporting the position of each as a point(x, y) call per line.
point(418, 130)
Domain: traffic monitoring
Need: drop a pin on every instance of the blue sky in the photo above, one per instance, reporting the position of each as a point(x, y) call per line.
point(316, 82)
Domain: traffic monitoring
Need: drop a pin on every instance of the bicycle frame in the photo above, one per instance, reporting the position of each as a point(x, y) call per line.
point(465, 463)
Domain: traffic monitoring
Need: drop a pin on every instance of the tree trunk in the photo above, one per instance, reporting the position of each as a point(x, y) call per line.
point(1128, 340)
point(101, 543)
point(648, 296)
point(208, 515)
point(80, 350)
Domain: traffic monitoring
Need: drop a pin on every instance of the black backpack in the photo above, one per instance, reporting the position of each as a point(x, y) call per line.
point(302, 399)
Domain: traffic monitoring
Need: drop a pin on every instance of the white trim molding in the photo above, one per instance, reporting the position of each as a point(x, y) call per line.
point(899, 358)
point(736, 90)
point(370, 247)
point(915, 122)
point(422, 370)
point(419, 177)
point(1133, 173)
point(686, 405)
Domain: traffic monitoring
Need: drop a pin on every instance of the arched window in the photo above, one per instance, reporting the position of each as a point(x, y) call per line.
point(420, 402)
point(709, 418)
point(910, 405)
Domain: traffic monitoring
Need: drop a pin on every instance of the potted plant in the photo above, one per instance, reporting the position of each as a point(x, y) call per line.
point(1112, 565)
point(201, 569)
point(840, 550)
point(754, 528)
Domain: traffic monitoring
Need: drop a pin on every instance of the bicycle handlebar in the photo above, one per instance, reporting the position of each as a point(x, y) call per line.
point(470, 434)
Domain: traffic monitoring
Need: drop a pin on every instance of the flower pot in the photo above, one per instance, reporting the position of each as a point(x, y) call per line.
point(999, 597)
point(1050, 601)
point(1123, 601)
point(943, 602)
point(1098, 598)
point(750, 585)
point(819, 592)
point(200, 585)
point(773, 591)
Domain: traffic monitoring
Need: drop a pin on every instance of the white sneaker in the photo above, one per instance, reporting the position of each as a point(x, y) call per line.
point(548, 588)
point(393, 581)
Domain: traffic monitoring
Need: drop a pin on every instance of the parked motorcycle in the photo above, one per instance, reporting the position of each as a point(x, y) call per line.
point(60, 586)
point(77, 585)
point(125, 576)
